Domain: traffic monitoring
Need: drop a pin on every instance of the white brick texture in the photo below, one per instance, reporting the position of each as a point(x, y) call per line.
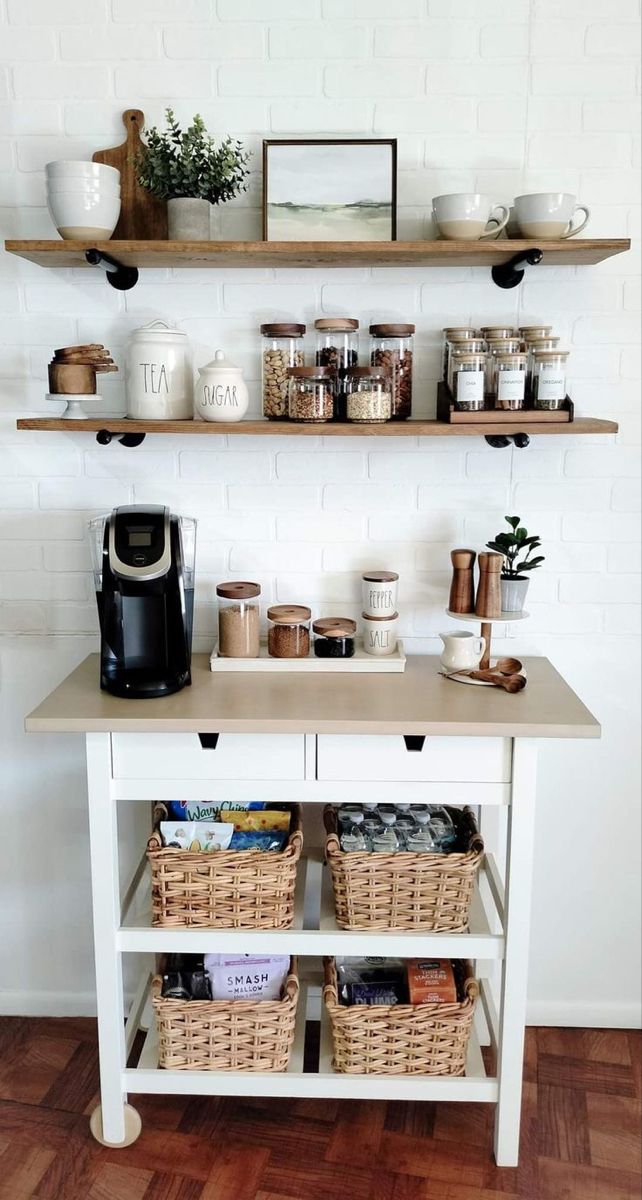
point(498, 96)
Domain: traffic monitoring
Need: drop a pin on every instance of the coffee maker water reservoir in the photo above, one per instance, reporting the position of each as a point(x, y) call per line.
point(143, 560)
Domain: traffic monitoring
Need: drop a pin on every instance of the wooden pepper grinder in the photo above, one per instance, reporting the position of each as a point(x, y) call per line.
point(462, 588)
point(489, 590)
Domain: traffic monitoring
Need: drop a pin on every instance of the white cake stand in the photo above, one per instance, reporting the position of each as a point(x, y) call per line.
point(486, 632)
point(74, 410)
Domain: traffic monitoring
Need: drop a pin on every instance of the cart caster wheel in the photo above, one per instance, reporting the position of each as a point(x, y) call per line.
point(133, 1126)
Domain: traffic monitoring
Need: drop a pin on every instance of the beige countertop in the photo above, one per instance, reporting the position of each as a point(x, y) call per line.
point(419, 701)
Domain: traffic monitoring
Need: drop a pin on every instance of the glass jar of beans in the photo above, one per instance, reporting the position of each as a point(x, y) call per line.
point(337, 347)
point(282, 348)
point(391, 349)
point(311, 393)
point(368, 394)
point(289, 631)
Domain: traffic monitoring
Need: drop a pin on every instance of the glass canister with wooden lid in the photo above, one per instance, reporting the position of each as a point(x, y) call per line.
point(289, 630)
point(510, 377)
point(337, 347)
point(468, 381)
point(451, 334)
point(282, 348)
point(311, 393)
point(467, 346)
point(495, 347)
point(391, 348)
point(368, 394)
point(549, 379)
point(239, 619)
point(334, 637)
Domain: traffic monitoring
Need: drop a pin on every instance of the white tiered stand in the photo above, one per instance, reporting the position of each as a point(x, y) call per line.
point(300, 738)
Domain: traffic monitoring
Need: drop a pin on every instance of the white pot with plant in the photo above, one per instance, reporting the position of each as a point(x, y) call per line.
point(191, 171)
point(517, 548)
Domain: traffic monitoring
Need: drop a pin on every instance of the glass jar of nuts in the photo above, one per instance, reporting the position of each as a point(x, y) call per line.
point(282, 348)
point(337, 347)
point(311, 393)
point(368, 395)
point(391, 349)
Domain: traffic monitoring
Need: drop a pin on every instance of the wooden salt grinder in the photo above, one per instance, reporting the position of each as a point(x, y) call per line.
point(489, 591)
point(462, 588)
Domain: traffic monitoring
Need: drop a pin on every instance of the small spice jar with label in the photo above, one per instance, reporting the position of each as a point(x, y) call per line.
point(238, 620)
point(282, 348)
point(497, 332)
point(368, 394)
point(530, 332)
point(380, 593)
point(468, 381)
point(311, 393)
point(549, 379)
point(494, 347)
point(289, 631)
point(380, 634)
point(510, 376)
point(334, 637)
point(391, 349)
point(455, 333)
point(532, 346)
point(467, 346)
point(337, 347)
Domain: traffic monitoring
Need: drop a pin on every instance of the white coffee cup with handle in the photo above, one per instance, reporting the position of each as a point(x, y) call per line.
point(549, 214)
point(466, 216)
point(463, 650)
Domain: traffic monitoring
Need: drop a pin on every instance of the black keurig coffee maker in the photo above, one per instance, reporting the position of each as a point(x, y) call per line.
point(144, 574)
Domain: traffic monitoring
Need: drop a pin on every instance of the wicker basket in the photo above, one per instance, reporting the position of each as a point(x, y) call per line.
point(226, 1035)
point(405, 891)
point(401, 1039)
point(228, 889)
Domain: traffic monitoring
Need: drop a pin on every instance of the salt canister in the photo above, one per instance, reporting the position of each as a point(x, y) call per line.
point(380, 634)
point(158, 374)
point(220, 393)
point(380, 593)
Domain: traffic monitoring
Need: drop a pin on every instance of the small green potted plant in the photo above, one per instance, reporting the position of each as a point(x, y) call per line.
point(191, 171)
point(517, 548)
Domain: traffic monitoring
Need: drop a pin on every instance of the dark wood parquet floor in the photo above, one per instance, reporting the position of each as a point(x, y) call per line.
point(580, 1132)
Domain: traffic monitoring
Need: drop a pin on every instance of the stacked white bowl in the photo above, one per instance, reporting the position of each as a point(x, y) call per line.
point(83, 199)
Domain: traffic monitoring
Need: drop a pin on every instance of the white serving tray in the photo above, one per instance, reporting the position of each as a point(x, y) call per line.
point(360, 662)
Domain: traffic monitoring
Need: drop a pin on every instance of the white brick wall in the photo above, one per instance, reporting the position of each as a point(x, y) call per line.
point(498, 95)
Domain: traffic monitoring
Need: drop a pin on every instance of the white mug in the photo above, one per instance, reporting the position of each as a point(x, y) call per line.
point(462, 651)
point(465, 216)
point(549, 214)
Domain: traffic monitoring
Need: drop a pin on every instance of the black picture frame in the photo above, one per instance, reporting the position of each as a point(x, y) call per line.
point(269, 143)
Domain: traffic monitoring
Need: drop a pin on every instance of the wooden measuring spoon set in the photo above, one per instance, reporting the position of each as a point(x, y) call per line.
point(72, 370)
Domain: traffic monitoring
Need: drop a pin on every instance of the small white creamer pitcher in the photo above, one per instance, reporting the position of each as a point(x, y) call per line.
point(462, 650)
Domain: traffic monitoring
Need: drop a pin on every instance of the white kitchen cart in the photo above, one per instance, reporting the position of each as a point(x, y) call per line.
point(310, 738)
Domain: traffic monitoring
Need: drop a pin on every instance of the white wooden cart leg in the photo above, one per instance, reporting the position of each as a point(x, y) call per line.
point(103, 834)
point(519, 870)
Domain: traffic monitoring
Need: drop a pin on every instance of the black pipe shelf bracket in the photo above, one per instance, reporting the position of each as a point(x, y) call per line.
point(105, 436)
point(118, 275)
point(509, 274)
point(500, 440)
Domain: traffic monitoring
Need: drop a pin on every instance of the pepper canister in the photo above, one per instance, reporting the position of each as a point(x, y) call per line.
point(380, 593)
point(158, 374)
point(220, 393)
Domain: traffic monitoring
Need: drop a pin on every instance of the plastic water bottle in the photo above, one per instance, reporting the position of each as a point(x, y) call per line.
point(347, 813)
point(444, 831)
point(353, 836)
point(405, 819)
point(387, 840)
point(420, 840)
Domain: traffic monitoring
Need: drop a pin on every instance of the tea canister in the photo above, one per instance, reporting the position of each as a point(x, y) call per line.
point(221, 392)
point(158, 374)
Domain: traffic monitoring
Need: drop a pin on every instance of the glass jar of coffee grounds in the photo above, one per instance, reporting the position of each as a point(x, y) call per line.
point(282, 348)
point(337, 347)
point(238, 620)
point(368, 394)
point(289, 631)
point(334, 637)
point(311, 393)
point(391, 349)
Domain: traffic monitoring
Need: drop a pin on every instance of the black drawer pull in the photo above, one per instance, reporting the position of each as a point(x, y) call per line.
point(209, 741)
point(414, 741)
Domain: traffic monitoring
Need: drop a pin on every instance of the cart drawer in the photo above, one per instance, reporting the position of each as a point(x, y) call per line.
point(207, 756)
point(414, 760)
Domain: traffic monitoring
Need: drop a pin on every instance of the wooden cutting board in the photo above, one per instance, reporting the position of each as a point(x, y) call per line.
point(142, 216)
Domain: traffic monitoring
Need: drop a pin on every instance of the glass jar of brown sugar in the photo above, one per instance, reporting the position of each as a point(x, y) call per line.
point(289, 631)
point(238, 619)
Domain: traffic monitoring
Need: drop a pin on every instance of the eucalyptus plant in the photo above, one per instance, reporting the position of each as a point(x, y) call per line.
point(189, 163)
point(517, 547)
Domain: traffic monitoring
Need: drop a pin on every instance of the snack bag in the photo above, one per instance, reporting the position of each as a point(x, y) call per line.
point(197, 836)
point(246, 976)
point(194, 810)
point(268, 818)
point(431, 981)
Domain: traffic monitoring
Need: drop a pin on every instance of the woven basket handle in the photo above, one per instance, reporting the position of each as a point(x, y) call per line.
point(469, 832)
point(296, 841)
point(155, 842)
point(157, 987)
point(291, 989)
point(332, 845)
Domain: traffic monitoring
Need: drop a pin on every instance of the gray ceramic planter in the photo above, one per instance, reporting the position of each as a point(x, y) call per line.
point(188, 219)
point(514, 594)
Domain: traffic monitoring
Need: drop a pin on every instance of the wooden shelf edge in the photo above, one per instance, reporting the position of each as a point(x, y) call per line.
point(59, 253)
point(119, 425)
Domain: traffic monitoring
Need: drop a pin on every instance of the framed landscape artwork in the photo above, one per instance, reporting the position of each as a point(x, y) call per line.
point(342, 190)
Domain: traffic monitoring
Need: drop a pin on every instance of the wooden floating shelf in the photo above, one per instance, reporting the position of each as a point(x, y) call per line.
point(119, 425)
point(572, 252)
